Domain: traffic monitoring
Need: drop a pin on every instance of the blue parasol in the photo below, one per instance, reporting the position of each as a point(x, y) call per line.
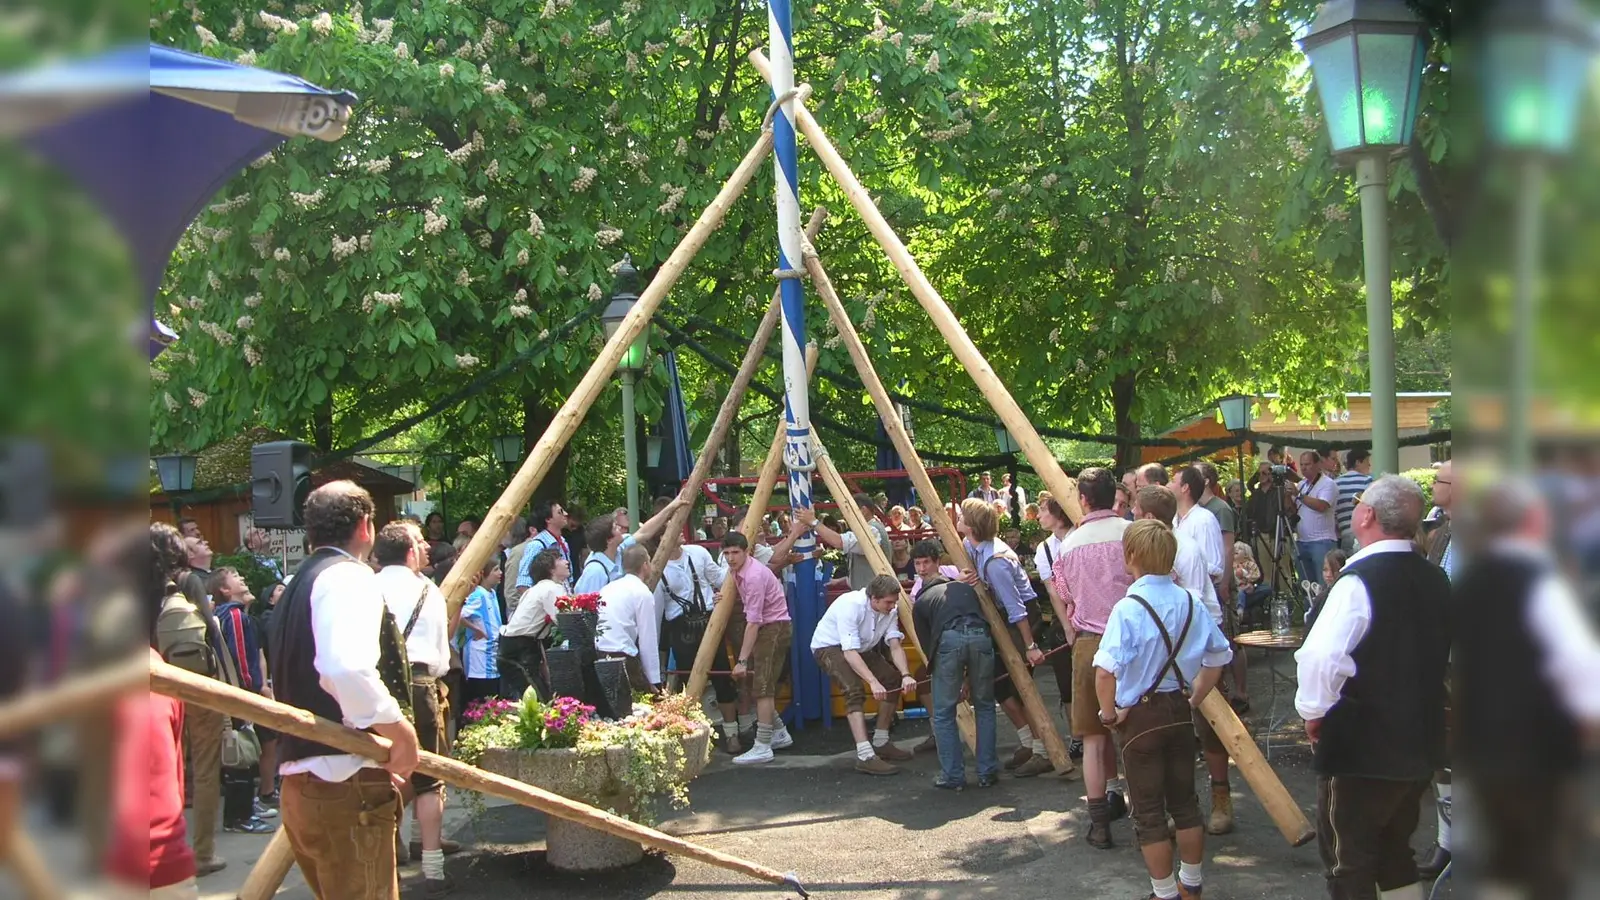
point(151, 133)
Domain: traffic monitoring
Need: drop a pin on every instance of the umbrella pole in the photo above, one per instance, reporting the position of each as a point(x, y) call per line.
point(498, 520)
point(240, 704)
point(1038, 716)
point(1039, 456)
point(880, 564)
point(751, 529)
point(672, 537)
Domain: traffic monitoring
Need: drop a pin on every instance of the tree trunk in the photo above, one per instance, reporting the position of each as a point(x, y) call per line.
point(1123, 389)
point(536, 418)
point(322, 426)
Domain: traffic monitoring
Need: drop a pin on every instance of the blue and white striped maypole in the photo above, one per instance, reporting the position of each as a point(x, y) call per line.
point(797, 408)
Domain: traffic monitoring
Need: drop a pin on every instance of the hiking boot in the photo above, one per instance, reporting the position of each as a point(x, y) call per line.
point(757, 754)
point(730, 743)
point(1018, 758)
point(449, 847)
point(781, 738)
point(1221, 809)
point(1099, 835)
point(1036, 765)
point(876, 766)
point(1117, 805)
point(892, 753)
point(437, 887)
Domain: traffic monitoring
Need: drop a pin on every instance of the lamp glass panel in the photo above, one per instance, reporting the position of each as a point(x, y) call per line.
point(1333, 67)
point(1235, 413)
point(1390, 65)
point(1535, 84)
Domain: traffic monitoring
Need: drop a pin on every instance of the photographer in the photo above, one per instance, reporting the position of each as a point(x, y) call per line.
point(1317, 532)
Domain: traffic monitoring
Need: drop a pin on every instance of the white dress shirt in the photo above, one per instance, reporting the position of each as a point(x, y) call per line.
point(1190, 571)
point(629, 625)
point(346, 613)
point(677, 577)
point(429, 642)
point(1045, 556)
point(1323, 662)
point(535, 611)
point(1561, 629)
point(851, 623)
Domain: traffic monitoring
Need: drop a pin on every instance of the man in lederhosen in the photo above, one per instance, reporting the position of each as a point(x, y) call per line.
point(1160, 655)
point(340, 810)
point(685, 596)
point(1372, 694)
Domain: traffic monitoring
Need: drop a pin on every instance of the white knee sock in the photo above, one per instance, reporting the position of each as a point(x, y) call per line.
point(433, 864)
point(1189, 874)
point(864, 751)
point(1025, 736)
point(1165, 888)
point(1443, 793)
point(880, 737)
point(1409, 892)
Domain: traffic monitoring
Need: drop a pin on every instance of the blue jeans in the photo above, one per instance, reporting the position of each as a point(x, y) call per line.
point(1309, 556)
point(966, 655)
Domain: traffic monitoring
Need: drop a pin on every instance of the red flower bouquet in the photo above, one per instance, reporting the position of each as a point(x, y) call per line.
point(584, 603)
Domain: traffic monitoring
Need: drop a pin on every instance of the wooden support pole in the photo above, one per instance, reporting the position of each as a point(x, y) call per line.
point(1039, 717)
point(267, 875)
point(81, 694)
point(751, 529)
point(1039, 456)
point(1286, 814)
point(29, 870)
point(880, 564)
point(672, 538)
point(240, 704)
point(542, 457)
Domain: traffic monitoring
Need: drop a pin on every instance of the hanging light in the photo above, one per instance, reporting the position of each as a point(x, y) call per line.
point(1235, 410)
point(1008, 443)
point(508, 449)
point(176, 471)
point(1537, 56)
point(624, 294)
point(1366, 59)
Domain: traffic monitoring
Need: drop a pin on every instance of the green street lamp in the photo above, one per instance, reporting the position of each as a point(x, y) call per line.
point(624, 295)
point(1366, 59)
point(1537, 58)
point(1235, 410)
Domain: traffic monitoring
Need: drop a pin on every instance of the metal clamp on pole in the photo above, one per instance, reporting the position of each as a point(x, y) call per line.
point(798, 92)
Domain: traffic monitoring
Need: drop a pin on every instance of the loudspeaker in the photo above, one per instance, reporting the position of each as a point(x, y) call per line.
point(280, 481)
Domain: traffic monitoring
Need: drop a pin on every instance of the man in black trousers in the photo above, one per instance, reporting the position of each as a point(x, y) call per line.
point(1372, 694)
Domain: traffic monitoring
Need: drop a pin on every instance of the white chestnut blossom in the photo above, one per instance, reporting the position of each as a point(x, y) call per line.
point(433, 223)
point(252, 355)
point(252, 301)
point(446, 70)
point(537, 101)
point(247, 58)
point(282, 254)
point(1333, 212)
point(674, 197)
point(1055, 335)
point(307, 201)
point(654, 49)
point(275, 23)
point(520, 311)
point(213, 280)
point(535, 224)
point(874, 117)
point(465, 360)
point(561, 271)
point(322, 24)
point(475, 204)
point(603, 29)
point(917, 40)
point(522, 256)
point(492, 171)
point(401, 51)
point(495, 88)
point(896, 38)
point(343, 248)
point(879, 31)
point(229, 205)
point(159, 376)
point(996, 193)
point(682, 147)
point(631, 63)
point(207, 38)
point(171, 404)
point(245, 323)
point(607, 236)
point(932, 65)
point(584, 179)
point(594, 292)
point(925, 8)
point(463, 278)
point(379, 166)
point(236, 33)
point(549, 11)
point(686, 39)
point(461, 154)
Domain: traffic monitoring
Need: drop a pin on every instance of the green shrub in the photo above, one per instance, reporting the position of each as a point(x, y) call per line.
point(258, 576)
point(1424, 479)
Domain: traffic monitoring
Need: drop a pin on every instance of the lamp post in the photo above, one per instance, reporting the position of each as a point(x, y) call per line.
point(508, 452)
point(1235, 410)
point(1010, 447)
point(1537, 56)
point(1366, 59)
point(176, 473)
point(623, 295)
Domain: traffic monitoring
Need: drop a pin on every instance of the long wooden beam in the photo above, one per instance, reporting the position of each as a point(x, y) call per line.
point(498, 520)
point(81, 694)
point(225, 698)
point(1038, 714)
point(267, 875)
point(751, 529)
point(672, 538)
point(880, 564)
point(1064, 489)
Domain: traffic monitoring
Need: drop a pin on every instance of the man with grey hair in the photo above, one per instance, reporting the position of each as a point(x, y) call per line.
point(1372, 694)
point(1529, 662)
point(630, 626)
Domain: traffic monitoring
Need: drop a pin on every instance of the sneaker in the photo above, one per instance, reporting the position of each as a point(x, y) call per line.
point(211, 866)
point(263, 811)
point(758, 753)
point(1036, 765)
point(988, 781)
point(892, 753)
point(943, 785)
point(782, 740)
point(876, 766)
point(1075, 750)
point(271, 801)
point(251, 825)
point(1022, 755)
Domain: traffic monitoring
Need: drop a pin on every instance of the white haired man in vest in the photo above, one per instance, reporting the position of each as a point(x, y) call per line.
point(1372, 694)
point(1528, 661)
point(340, 810)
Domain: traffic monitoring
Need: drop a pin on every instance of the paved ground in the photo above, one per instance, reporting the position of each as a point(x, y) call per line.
point(852, 835)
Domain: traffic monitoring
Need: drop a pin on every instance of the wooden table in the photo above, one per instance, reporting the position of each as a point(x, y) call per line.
point(1275, 647)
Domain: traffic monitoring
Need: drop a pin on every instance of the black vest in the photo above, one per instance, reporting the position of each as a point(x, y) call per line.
point(293, 652)
point(1389, 720)
point(1514, 724)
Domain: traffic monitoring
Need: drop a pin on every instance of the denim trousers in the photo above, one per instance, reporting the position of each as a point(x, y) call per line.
point(966, 655)
point(1310, 554)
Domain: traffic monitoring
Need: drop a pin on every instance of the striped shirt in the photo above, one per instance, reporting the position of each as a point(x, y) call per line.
point(1351, 484)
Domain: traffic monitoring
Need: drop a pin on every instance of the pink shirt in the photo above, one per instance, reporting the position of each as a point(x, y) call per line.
point(1089, 574)
point(761, 593)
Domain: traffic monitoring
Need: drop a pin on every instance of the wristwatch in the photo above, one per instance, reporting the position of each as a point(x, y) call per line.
point(743, 662)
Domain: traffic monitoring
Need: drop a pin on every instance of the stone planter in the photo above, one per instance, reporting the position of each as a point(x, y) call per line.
point(595, 780)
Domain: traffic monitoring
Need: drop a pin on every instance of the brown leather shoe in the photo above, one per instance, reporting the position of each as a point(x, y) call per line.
point(211, 866)
point(1036, 765)
point(1022, 755)
point(892, 753)
point(930, 745)
point(876, 766)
